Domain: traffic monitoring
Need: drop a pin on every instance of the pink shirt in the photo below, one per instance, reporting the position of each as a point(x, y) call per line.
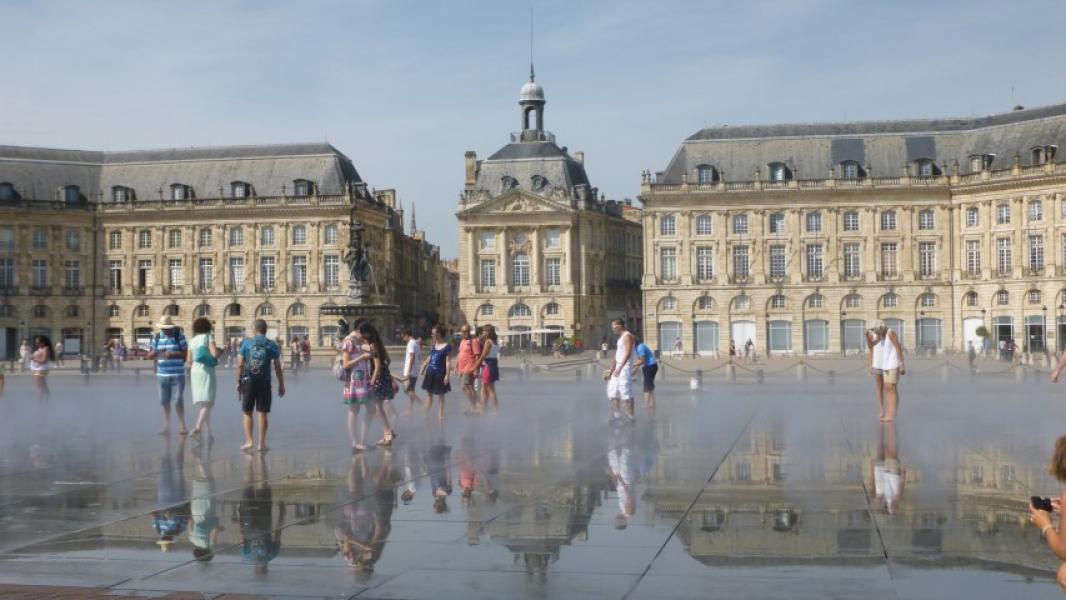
point(469, 350)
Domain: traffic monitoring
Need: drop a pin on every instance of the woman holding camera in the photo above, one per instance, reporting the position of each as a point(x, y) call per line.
point(1040, 516)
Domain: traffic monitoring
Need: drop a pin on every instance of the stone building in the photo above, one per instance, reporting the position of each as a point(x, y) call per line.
point(541, 253)
point(795, 236)
point(98, 245)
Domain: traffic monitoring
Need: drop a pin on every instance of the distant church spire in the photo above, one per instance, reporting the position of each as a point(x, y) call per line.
point(414, 226)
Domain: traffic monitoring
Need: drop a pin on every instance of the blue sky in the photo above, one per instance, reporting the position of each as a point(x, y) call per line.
point(404, 87)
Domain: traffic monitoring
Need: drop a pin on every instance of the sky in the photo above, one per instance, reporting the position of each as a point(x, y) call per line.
point(404, 87)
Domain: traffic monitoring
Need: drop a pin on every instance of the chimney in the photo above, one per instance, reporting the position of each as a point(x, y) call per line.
point(471, 167)
point(579, 156)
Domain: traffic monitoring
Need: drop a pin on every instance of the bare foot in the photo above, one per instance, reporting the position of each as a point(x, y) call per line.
point(359, 448)
point(164, 431)
point(262, 449)
point(247, 447)
point(182, 431)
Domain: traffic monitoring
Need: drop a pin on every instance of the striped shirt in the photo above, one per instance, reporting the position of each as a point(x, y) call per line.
point(169, 367)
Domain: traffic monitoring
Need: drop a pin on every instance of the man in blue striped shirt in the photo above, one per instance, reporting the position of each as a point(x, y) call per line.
point(168, 349)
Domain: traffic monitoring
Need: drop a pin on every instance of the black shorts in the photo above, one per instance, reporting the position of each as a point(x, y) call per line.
point(649, 377)
point(256, 396)
point(411, 382)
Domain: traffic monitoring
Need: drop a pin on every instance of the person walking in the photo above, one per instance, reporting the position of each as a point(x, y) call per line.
point(41, 362)
point(678, 348)
point(886, 366)
point(488, 367)
point(732, 352)
point(24, 356)
point(436, 368)
point(749, 350)
point(619, 378)
point(355, 360)
point(971, 357)
point(381, 383)
point(294, 353)
point(649, 368)
point(305, 353)
point(466, 357)
point(254, 382)
point(201, 360)
point(59, 353)
point(168, 349)
point(412, 359)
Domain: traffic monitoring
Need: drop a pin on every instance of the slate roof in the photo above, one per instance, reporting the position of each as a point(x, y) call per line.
point(523, 160)
point(886, 146)
point(38, 173)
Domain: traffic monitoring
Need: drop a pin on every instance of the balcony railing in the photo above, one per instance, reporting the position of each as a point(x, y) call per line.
point(73, 291)
point(40, 290)
point(173, 289)
point(970, 275)
point(777, 278)
point(235, 288)
point(740, 279)
point(929, 276)
point(141, 290)
point(9, 290)
point(808, 278)
point(891, 276)
point(1034, 271)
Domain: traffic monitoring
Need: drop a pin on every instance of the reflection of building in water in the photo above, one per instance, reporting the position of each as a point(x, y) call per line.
point(779, 498)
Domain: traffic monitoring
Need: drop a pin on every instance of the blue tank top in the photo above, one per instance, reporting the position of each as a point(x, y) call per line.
point(437, 358)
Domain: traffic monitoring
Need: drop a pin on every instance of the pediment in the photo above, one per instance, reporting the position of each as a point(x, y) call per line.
point(517, 202)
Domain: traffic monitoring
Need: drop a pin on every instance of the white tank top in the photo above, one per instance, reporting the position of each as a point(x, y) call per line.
point(494, 351)
point(885, 355)
point(620, 352)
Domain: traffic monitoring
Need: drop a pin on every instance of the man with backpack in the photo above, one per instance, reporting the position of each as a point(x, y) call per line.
point(254, 384)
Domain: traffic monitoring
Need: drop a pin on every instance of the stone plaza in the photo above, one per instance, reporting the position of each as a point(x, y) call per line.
point(762, 487)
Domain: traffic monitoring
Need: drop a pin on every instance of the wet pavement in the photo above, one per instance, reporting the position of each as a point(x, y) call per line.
point(782, 490)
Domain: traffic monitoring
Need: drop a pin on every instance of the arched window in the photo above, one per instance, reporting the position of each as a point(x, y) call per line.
point(7, 192)
point(508, 183)
point(970, 299)
point(926, 167)
point(240, 189)
point(1034, 296)
point(302, 187)
point(180, 191)
point(519, 310)
point(705, 303)
point(779, 171)
point(236, 236)
point(297, 309)
point(667, 225)
point(73, 311)
point(980, 162)
point(1003, 297)
point(742, 303)
point(172, 310)
point(142, 311)
point(40, 311)
point(888, 220)
point(704, 225)
point(202, 310)
point(113, 311)
point(668, 303)
point(299, 234)
point(233, 310)
point(926, 220)
point(520, 269)
point(121, 193)
point(815, 301)
point(538, 183)
point(552, 308)
point(265, 310)
point(927, 300)
point(486, 310)
point(890, 300)
point(706, 174)
point(852, 301)
point(850, 169)
point(778, 301)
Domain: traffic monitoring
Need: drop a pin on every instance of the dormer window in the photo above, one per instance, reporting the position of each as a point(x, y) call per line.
point(121, 193)
point(180, 191)
point(538, 183)
point(926, 167)
point(1043, 154)
point(240, 189)
point(779, 171)
point(850, 169)
point(7, 192)
point(71, 194)
point(302, 187)
point(706, 174)
point(508, 183)
point(980, 162)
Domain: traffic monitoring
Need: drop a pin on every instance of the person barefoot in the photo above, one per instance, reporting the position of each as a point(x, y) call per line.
point(435, 370)
point(411, 360)
point(886, 366)
point(253, 369)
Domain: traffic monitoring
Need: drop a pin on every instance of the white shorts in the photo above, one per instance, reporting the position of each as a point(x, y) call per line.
point(621, 386)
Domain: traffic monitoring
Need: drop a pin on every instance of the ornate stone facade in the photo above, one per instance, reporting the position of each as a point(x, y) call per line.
point(541, 254)
point(938, 227)
point(231, 233)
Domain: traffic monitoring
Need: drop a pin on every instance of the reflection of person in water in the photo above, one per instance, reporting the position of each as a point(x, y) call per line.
point(260, 539)
point(440, 476)
point(889, 475)
point(172, 518)
point(367, 518)
point(412, 471)
point(205, 527)
point(621, 467)
point(478, 468)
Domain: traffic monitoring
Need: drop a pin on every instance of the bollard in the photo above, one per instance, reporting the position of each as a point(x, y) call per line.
point(832, 376)
point(761, 378)
point(945, 372)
